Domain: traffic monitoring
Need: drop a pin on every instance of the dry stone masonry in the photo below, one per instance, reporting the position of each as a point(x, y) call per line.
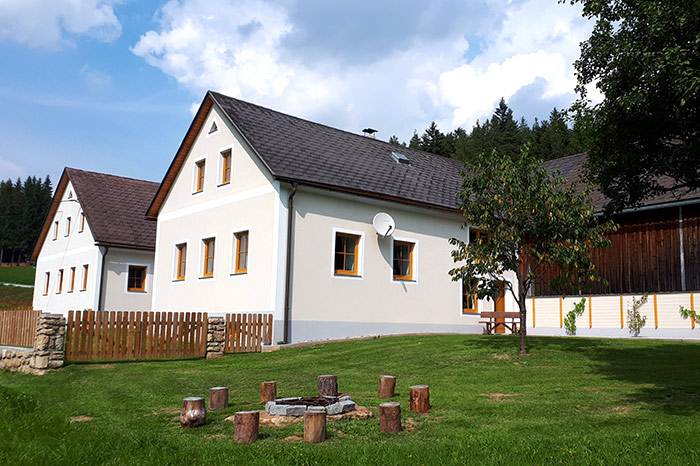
point(47, 352)
point(216, 333)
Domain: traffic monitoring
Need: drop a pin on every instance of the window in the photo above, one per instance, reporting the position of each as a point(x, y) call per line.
point(403, 260)
point(470, 305)
point(68, 226)
point(181, 262)
point(60, 281)
point(200, 176)
point(82, 223)
point(213, 128)
point(346, 253)
point(85, 277)
point(136, 280)
point(226, 166)
point(55, 230)
point(208, 270)
point(242, 240)
point(475, 235)
point(47, 279)
point(72, 280)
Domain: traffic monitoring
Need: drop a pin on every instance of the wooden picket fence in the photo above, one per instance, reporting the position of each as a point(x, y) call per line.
point(119, 335)
point(18, 326)
point(246, 333)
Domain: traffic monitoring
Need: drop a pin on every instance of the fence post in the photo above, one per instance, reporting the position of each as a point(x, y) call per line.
point(216, 333)
point(48, 343)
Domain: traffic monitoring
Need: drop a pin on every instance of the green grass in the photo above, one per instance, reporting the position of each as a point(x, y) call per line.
point(14, 296)
point(572, 401)
point(19, 275)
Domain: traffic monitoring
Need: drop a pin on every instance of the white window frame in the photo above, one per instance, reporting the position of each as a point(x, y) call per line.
point(220, 167)
point(360, 254)
point(195, 173)
point(217, 244)
point(232, 263)
point(47, 283)
point(414, 264)
point(126, 281)
point(187, 260)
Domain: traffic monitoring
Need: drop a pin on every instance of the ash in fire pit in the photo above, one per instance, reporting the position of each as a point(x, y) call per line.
point(296, 406)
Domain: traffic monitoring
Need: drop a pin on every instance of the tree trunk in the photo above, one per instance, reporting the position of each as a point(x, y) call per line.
point(386, 386)
point(268, 391)
point(315, 425)
point(218, 398)
point(420, 399)
point(194, 413)
point(523, 325)
point(246, 425)
point(327, 385)
point(390, 417)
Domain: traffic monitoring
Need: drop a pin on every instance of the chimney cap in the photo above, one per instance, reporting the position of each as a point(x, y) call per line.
point(369, 131)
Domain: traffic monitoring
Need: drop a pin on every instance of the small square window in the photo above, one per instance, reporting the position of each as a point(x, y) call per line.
point(403, 260)
point(137, 278)
point(346, 254)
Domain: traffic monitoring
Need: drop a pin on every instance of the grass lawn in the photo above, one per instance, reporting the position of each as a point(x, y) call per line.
point(21, 275)
point(14, 296)
point(572, 401)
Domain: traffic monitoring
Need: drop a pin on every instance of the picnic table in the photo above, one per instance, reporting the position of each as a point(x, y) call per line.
point(495, 319)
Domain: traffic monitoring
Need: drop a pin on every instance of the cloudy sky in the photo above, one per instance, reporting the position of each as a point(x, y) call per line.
point(111, 85)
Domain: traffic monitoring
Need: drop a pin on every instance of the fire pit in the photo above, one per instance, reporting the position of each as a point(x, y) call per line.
point(297, 406)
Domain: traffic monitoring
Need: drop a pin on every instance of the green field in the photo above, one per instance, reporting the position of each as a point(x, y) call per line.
point(15, 296)
point(572, 401)
point(20, 275)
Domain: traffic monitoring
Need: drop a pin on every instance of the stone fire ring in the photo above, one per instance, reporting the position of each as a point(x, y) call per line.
point(342, 406)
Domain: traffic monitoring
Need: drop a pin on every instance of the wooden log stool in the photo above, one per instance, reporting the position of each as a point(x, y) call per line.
point(327, 385)
point(387, 383)
point(246, 425)
point(218, 398)
point(420, 399)
point(194, 413)
point(268, 391)
point(315, 425)
point(390, 417)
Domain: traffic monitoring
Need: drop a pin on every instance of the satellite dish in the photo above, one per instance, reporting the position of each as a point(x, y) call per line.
point(384, 224)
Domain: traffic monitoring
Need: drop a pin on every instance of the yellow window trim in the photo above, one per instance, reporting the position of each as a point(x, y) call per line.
point(143, 280)
point(226, 166)
point(239, 252)
point(345, 253)
point(208, 257)
point(200, 175)
point(181, 261)
point(410, 260)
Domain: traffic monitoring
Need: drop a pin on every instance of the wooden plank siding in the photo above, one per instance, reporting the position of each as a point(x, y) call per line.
point(18, 326)
point(121, 335)
point(645, 255)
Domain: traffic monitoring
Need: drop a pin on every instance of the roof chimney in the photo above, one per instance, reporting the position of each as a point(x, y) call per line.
point(369, 132)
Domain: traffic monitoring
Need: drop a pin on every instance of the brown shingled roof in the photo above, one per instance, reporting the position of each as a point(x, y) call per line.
point(114, 208)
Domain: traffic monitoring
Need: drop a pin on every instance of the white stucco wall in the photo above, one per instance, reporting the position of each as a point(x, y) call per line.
point(325, 305)
point(65, 251)
point(115, 295)
point(251, 201)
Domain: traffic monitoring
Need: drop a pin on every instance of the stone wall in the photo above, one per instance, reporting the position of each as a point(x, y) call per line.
point(216, 333)
point(47, 352)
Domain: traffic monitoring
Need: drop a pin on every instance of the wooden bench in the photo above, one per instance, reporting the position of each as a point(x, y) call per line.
point(492, 321)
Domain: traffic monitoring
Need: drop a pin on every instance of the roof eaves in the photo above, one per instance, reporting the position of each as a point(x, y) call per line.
point(58, 194)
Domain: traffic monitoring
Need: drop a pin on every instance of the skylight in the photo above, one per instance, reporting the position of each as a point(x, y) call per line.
point(400, 158)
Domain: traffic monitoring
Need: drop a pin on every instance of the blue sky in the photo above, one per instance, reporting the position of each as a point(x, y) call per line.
point(111, 86)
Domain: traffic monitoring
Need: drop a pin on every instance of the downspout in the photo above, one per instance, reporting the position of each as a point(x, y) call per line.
point(288, 266)
point(102, 276)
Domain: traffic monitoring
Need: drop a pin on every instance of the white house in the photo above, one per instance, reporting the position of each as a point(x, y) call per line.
point(95, 250)
point(265, 212)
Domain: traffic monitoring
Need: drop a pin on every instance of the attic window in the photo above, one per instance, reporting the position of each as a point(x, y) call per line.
point(400, 158)
point(213, 128)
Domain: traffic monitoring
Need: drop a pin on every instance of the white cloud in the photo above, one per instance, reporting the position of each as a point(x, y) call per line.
point(95, 80)
point(50, 24)
point(244, 50)
point(10, 170)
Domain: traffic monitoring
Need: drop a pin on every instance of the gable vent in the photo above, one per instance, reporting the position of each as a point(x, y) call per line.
point(213, 128)
point(400, 158)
